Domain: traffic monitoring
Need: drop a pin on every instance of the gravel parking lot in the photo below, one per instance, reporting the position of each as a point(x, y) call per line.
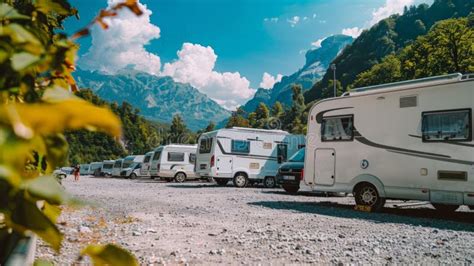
point(201, 223)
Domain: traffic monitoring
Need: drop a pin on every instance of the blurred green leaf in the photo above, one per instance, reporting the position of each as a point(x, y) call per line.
point(43, 263)
point(48, 189)
point(60, 7)
point(10, 13)
point(109, 255)
point(23, 60)
point(27, 216)
point(51, 211)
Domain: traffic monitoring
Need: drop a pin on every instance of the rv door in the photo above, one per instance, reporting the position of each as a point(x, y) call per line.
point(324, 167)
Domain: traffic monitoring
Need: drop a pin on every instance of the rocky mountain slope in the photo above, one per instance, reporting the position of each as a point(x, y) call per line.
point(317, 61)
point(158, 98)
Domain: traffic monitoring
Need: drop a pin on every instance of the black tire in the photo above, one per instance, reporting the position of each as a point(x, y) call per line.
point(269, 182)
point(471, 207)
point(367, 195)
point(445, 208)
point(221, 182)
point(292, 189)
point(133, 176)
point(152, 177)
point(241, 180)
point(180, 177)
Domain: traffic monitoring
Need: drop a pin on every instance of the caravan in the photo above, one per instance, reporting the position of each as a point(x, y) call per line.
point(174, 162)
point(117, 168)
point(145, 168)
point(95, 168)
point(245, 155)
point(408, 140)
point(107, 166)
point(131, 166)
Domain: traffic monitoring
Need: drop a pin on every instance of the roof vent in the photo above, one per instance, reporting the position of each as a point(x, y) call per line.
point(408, 101)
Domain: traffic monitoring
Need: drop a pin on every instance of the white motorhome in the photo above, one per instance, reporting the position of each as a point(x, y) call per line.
point(408, 140)
point(145, 168)
point(174, 162)
point(131, 166)
point(117, 168)
point(107, 166)
point(245, 155)
point(84, 169)
point(95, 168)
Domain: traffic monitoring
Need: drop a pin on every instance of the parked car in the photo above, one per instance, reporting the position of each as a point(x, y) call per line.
point(107, 166)
point(132, 172)
point(291, 172)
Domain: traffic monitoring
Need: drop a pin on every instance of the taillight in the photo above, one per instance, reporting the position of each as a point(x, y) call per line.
point(302, 174)
point(212, 161)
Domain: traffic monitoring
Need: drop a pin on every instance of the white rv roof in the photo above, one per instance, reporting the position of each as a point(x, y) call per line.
point(257, 130)
point(409, 84)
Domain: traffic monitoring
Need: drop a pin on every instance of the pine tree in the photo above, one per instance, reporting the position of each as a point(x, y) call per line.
point(262, 114)
point(237, 119)
point(178, 132)
point(277, 110)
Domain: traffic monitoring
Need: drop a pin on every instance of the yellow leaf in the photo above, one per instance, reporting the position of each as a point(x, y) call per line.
point(28, 120)
point(109, 255)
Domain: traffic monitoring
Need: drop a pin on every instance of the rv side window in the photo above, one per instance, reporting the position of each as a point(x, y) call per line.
point(447, 125)
point(205, 145)
point(118, 164)
point(147, 159)
point(240, 146)
point(337, 128)
point(175, 157)
point(156, 156)
point(192, 158)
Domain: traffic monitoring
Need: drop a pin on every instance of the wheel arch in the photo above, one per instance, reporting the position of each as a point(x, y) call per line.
point(180, 172)
point(371, 179)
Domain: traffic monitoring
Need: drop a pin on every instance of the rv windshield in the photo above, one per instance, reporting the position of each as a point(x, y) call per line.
point(298, 156)
point(205, 145)
point(108, 166)
point(126, 164)
point(147, 158)
point(157, 155)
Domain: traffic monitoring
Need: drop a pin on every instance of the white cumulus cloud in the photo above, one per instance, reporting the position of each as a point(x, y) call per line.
point(353, 32)
point(195, 65)
point(293, 21)
point(123, 44)
point(268, 80)
point(274, 20)
point(390, 7)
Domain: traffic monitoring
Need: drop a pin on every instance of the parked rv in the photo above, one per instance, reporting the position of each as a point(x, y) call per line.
point(131, 166)
point(84, 169)
point(408, 140)
point(290, 173)
point(107, 166)
point(117, 168)
point(95, 168)
point(145, 168)
point(245, 155)
point(174, 162)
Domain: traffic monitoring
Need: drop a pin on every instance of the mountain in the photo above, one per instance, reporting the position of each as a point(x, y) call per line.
point(317, 61)
point(388, 37)
point(157, 98)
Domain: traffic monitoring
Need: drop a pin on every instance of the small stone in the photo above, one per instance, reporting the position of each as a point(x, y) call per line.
point(85, 230)
point(213, 252)
point(136, 233)
point(376, 251)
point(212, 234)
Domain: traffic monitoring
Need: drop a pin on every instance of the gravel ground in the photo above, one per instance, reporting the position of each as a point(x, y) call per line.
point(201, 223)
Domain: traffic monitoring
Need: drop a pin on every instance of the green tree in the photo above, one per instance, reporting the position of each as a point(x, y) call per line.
point(387, 71)
point(277, 110)
point(295, 118)
point(178, 130)
point(262, 115)
point(238, 119)
point(210, 127)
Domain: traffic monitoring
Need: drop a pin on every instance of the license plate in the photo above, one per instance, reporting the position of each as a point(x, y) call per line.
point(202, 166)
point(288, 177)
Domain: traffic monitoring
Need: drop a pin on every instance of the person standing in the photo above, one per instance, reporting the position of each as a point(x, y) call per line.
point(77, 171)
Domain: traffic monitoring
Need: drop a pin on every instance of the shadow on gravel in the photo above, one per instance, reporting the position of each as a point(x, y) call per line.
point(459, 221)
point(196, 186)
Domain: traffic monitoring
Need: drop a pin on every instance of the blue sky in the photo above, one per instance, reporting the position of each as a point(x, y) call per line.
point(243, 38)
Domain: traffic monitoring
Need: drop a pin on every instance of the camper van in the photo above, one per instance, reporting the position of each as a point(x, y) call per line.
point(131, 166)
point(408, 140)
point(84, 169)
point(174, 162)
point(245, 155)
point(117, 168)
point(145, 168)
point(107, 166)
point(95, 168)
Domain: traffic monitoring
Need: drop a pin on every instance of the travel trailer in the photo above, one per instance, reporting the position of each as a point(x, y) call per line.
point(107, 166)
point(84, 169)
point(174, 162)
point(245, 155)
point(95, 168)
point(145, 168)
point(117, 168)
point(408, 140)
point(131, 166)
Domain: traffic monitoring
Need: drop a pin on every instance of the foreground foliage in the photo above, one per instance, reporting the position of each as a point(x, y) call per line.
point(36, 107)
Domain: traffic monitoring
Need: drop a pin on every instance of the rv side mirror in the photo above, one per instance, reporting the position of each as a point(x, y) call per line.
point(280, 159)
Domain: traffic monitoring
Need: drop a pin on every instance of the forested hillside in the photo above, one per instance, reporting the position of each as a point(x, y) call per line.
point(139, 135)
point(387, 37)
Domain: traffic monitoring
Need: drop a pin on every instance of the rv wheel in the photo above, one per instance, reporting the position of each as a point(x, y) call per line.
point(180, 177)
point(269, 182)
point(240, 180)
point(445, 208)
point(133, 176)
point(367, 195)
